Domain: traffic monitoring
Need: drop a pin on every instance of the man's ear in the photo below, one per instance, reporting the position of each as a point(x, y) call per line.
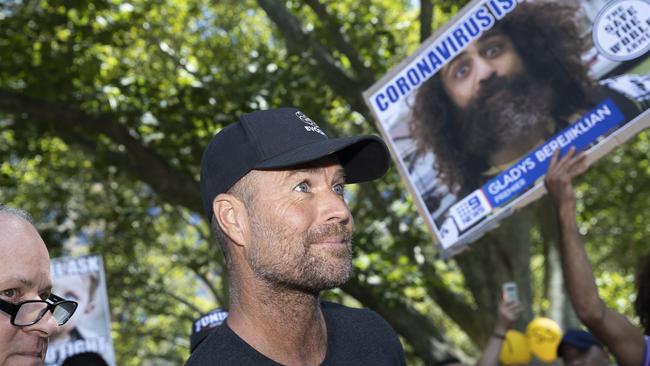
point(231, 216)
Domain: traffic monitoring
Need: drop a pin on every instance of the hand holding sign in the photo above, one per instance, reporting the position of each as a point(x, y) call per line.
point(560, 174)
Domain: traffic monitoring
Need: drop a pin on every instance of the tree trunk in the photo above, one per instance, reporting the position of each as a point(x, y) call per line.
point(502, 255)
point(560, 308)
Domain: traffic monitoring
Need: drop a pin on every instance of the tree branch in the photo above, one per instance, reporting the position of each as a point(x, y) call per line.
point(173, 185)
point(426, 19)
point(333, 27)
point(450, 302)
point(183, 301)
point(206, 281)
point(333, 75)
point(505, 251)
point(418, 330)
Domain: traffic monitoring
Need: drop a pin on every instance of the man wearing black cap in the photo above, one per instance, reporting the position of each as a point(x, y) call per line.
point(273, 188)
point(581, 348)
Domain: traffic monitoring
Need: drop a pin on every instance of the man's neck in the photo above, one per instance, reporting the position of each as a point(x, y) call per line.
point(285, 325)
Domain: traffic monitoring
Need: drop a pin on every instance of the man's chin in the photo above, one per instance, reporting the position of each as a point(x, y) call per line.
point(334, 278)
point(323, 285)
point(326, 278)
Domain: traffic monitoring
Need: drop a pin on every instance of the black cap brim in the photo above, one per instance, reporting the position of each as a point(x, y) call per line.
point(363, 158)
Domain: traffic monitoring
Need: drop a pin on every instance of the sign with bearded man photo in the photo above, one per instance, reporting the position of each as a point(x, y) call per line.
point(475, 114)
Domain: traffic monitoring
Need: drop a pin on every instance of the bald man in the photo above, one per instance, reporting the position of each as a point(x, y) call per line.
point(27, 307)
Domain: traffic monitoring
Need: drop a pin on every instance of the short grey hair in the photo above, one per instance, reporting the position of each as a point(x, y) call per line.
point(16, 212)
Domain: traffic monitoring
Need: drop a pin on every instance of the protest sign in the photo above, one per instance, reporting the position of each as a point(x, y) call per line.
point(88, 332)
point(473, 116)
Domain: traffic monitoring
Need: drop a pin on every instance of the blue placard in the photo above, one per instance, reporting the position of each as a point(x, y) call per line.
point(582, 133)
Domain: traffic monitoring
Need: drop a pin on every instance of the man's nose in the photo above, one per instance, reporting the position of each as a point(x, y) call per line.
point(484, 69)
point(47, 325)
point(334, 208)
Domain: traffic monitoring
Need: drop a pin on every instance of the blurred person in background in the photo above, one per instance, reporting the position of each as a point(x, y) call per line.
point(29, 312)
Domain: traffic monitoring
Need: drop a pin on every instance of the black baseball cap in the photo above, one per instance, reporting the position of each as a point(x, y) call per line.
point(281, 138)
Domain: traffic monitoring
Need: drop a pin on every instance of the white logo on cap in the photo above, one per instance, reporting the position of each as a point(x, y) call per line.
point(311, 125)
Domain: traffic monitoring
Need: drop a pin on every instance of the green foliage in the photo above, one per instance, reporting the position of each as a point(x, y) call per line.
point(152, 252)
point(165, 76)
point(613, 217)
point(172, 73)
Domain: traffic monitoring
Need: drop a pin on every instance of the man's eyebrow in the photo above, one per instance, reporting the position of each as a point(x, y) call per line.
point(446, 68)
point(22, 280)
point(340, 172)
point(489, 35)
point(25, 281)
point(294, 172)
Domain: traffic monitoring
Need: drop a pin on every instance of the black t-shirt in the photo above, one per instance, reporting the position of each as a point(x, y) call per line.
point(354, 337)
